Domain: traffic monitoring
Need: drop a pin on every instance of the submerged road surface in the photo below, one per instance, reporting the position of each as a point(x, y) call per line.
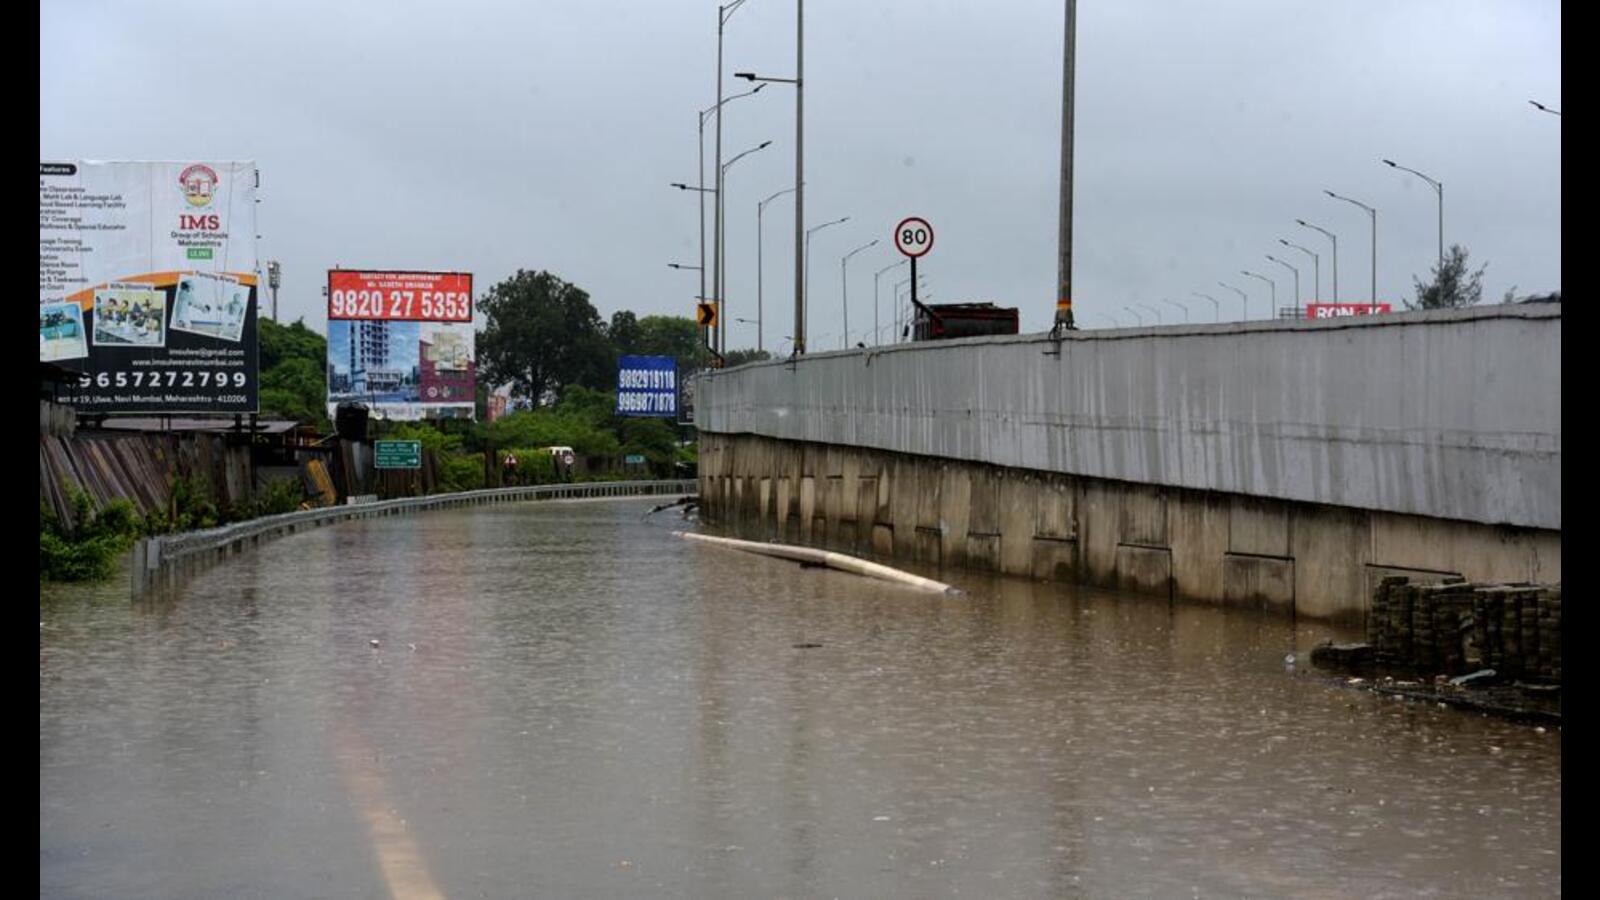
point(565, 701)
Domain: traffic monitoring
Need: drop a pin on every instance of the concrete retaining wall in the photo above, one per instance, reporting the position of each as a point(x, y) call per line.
point(1297, 558)
point(165, 561)
point(1450, 414)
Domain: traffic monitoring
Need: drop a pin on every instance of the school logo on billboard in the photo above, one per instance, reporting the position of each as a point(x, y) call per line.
point(199, 184)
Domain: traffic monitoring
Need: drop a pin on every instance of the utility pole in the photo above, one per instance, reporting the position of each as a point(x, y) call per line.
point(1063, 320)
point(274, 278)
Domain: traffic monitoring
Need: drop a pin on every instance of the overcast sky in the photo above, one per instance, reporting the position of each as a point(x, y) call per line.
point(485, 137)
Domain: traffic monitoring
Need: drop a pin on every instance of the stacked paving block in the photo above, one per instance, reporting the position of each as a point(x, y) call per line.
point(1454, 627)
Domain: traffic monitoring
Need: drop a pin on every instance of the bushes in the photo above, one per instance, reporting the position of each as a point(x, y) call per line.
point(86, 552)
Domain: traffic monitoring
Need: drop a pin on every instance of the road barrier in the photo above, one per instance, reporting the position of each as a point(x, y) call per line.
point(165, 561)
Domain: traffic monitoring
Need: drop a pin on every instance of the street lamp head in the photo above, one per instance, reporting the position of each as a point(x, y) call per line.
point(747, 76)
point(759, 87)
point(764, 144)
point(1301, 222)
point(1284, 242)
point(1389, 163)
point(1330, 194)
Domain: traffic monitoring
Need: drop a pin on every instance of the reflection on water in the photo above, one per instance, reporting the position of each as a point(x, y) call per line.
point(567, 701)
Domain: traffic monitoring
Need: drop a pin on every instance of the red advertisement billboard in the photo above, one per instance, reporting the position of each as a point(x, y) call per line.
point(400, 296)
point(1335, 310)
point(402, 343)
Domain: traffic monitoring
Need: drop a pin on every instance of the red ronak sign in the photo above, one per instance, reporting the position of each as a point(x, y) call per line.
point(1336, 310)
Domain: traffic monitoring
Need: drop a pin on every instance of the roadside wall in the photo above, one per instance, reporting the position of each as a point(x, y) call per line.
point(1298, 559)
point(1449, 414)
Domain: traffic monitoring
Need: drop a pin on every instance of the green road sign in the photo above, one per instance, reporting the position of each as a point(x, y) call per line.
point(398, 454)
point(633, 459)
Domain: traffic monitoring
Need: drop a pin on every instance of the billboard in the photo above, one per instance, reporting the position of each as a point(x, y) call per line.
point(402, 343)
point(647, 386)
point(1335, 310)
point(147, 284)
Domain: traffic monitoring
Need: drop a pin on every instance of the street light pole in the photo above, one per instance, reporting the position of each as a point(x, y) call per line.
point(1374, 214)
point(1216, 308)
point(721, 275)
point(877, 330)
point(845, 290)
point(1316, 268)
point(1540, 106)
point(1180, 306)
point(702, 190)
point(760, 207)
point(1296, 278)
point(274, 279)
point(1245, 298)
point(1271, 309)
point(1063, 319)
point(1331, 237)
point(1153, 311)
point(799, 169)
point(805, 285)
point(1136, 317)
point(723, 14)
point(1438, 187)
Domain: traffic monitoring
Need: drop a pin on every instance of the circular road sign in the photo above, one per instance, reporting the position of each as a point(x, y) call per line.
point(914, 236)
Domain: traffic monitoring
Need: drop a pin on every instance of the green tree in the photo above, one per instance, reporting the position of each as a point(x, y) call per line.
point(675, 336)
point(542, 334)
point(1452, 286)
point(624, 331)
point(294, 373)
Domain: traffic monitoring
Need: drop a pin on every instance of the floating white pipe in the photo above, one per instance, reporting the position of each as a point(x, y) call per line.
point(826, 558)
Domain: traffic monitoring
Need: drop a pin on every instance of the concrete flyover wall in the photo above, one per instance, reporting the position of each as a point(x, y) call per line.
point(1450, 414)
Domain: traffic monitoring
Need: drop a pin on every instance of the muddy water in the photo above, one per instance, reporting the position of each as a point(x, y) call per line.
point(567, 701)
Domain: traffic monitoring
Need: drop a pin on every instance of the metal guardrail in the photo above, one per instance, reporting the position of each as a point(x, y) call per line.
point(164, 560)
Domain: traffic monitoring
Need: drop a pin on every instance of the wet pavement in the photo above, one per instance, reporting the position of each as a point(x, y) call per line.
point(565, 700)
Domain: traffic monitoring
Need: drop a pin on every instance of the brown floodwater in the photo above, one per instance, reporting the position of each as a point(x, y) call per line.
point(565, 700)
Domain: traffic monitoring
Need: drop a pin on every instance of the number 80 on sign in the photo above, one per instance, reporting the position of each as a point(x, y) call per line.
point(913, 237)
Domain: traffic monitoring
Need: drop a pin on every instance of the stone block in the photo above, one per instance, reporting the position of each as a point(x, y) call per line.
point(1258, 582)
point(1144, 570)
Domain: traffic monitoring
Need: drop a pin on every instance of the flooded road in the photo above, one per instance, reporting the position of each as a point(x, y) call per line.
point(568, 701)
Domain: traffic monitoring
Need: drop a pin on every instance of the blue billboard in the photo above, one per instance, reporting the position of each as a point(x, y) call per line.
point(647, 386)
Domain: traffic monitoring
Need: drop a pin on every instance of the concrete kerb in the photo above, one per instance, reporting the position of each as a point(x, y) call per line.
point(165, 559)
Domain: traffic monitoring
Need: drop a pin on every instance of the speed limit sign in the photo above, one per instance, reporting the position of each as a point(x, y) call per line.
point(913, 237)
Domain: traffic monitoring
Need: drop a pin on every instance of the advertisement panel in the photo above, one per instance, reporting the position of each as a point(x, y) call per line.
point(647, 386)
point(147, 284)
point(1335, 310)
point(402, 343)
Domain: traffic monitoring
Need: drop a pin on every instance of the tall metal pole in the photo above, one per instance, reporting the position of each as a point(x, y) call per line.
point(877, 330)
point(1245, 298)
point(1063, 319)
point(716, 231)
point(702, 192)
point(1273, 309)
point(1296, 277)
point(1438, 187)
point(845, 288)
point(759, 286)
point(799, 177)
point(1316, 269)
point(1335, 239)
point(760, 208)
point(1374, 214)
point(1216, 308)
